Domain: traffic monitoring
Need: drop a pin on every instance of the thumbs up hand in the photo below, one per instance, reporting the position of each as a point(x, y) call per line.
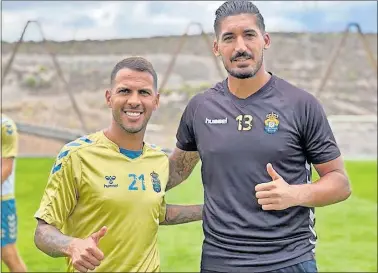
point(276, 194)
point(98, 235)
point(84, 253)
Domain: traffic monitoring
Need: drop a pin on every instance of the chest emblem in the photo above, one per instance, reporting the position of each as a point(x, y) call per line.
point(155, 182)
point(271, 123)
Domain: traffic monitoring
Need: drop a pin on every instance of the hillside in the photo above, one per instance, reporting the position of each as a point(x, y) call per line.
point(33, 93)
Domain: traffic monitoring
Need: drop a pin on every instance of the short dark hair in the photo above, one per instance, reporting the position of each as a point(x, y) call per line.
point(236, 7)
point(136, 64)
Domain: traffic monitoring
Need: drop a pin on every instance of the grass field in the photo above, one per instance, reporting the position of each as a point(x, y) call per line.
point(347, 231)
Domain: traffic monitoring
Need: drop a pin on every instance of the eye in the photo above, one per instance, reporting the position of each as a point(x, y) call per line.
point(124, 91)
point(144, 92)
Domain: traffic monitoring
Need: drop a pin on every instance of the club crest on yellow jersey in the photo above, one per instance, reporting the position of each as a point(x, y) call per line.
point(271, 123)
point(155, 182)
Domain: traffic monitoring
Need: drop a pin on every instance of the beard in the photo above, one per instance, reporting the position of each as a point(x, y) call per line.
point(247, 72)
point(131, 129)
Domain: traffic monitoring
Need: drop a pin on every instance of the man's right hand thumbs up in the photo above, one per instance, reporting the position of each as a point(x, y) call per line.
point(85, 254)
point(99, 234)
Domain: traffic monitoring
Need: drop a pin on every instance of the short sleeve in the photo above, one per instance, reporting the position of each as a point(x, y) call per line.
point(163, 210)
point(9, 142)
point(185, 133)
point(319, 141)
point(60, 195)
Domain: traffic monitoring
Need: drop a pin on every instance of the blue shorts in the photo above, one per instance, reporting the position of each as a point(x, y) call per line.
point(8, 222)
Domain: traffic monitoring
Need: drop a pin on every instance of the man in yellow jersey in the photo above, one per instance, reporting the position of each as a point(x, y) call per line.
point(104, 199)
point(9, 149)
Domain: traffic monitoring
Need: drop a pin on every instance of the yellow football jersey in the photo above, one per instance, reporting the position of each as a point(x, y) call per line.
point(92, 184)
point(9, 148)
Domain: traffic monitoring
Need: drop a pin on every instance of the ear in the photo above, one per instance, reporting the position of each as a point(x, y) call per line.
point(266, 40)
point(157, 101)
point(108, 95)
point(216, 48)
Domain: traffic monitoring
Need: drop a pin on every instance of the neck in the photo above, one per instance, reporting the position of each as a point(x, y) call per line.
point(123, 139)
point(243, 88)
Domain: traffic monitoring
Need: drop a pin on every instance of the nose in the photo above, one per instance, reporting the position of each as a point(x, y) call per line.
point(240, 45)
point(134, 99)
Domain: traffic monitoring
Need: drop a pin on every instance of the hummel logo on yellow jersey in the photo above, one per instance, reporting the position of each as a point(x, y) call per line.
point(110, 180)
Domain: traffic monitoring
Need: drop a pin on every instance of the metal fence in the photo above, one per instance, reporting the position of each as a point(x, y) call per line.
point(321, 78)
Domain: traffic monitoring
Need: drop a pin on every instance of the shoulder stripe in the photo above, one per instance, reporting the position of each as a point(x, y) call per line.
point(56, 168)
point(69, 150)
point(63, 154)
point(72, 144)
point(85, 139)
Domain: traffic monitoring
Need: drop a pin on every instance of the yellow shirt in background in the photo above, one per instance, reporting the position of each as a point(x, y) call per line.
point(9, 148)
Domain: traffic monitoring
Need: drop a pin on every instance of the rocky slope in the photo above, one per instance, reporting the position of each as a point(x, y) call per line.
point(34, 93)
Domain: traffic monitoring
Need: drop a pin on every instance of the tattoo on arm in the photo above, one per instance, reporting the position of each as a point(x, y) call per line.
point(180, 214)
point(181, 165)
point(51, 241)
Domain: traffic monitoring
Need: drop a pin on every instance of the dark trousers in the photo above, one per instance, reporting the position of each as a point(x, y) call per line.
point(304, 267)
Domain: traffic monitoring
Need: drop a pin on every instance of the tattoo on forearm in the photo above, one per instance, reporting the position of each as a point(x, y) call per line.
point(180, 214)
point(181, 165)
point(51, 241)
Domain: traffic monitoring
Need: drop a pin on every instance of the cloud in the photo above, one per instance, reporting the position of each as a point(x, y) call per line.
point(12, 24)
point(107, 20)
point(105, 14)
point(62, 22)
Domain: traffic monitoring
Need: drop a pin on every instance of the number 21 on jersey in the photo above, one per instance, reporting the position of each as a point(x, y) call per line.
point(133, 185)
point(244, 122)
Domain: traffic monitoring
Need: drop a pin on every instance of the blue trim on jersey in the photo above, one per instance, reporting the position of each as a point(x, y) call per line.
point(71, 144)
point(87, 140)
point(63, 154)
point(130, 154)
point(8, 222)
point(9, 129)
point(77, 144)
point(57, 168)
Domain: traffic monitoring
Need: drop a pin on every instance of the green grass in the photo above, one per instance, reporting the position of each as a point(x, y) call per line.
point(347, 231)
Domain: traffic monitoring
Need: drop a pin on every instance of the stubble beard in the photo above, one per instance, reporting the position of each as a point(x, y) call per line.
point(246, 74)
point(130, 130)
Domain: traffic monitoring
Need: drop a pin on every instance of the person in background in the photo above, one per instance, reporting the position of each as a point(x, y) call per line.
point(9, 149)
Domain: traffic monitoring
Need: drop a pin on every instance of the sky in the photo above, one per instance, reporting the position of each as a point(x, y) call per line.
point(97, 20)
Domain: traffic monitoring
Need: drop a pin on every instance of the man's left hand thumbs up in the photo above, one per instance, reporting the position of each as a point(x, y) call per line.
point(276, 194)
